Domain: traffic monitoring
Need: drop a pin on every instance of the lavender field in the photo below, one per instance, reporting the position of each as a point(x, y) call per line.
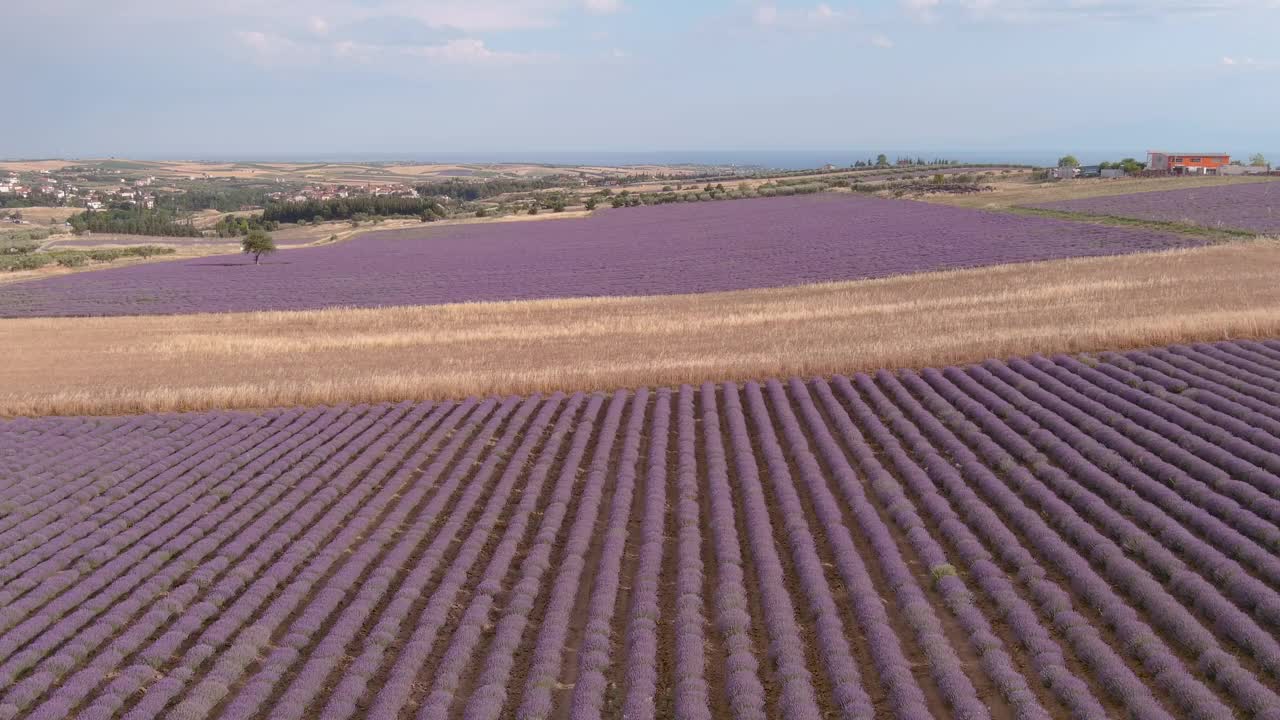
point(1246, 206)
point(1057, 537)
point(678, 248)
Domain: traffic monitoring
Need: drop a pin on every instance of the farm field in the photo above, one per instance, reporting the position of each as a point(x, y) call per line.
point(1022, 192)
point(1251, 206)
point(668, 249)
point(1073, 536)
point(60, 366)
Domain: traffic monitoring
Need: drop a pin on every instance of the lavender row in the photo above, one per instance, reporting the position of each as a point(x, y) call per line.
point(183, 585)
point(1083, 491)
point(949, 583)
point(690, 684)
point(745, 693)
point(269, 628)
point(797, 701)
point(291, 518)
point(490, 695)
point(536, 701)
point(1054, 538)
point(641, 660)
point(596, 649)
point(373, 570)
point(230, 599)
point(467, 635)
point(354, 683)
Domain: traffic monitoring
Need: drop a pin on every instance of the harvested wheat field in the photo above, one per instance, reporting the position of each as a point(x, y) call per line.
point(257, 360)
point(1089, 536)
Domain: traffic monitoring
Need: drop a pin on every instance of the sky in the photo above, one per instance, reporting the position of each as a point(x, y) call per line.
point(273, 78)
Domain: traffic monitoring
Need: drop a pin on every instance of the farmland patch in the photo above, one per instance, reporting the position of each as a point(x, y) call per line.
point(662, 250)
point(1011, 538)
point(1251, 207)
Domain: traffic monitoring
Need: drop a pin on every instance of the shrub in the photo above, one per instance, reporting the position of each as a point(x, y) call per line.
point(941, 571)
point(24, 261)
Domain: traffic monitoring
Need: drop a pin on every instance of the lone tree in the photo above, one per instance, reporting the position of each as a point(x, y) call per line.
point(1258, 160)
point(257, 243)
point(882, 160)
point(1067, 161)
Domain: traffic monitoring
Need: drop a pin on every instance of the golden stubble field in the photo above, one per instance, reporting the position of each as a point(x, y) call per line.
point(252, 360)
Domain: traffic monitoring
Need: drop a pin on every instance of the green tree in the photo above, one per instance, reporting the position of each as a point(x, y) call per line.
point(1131, 166)
point(1068, 161)
point(882, 160)
point(257, 243)
point(591, 203)
point(1258, 160)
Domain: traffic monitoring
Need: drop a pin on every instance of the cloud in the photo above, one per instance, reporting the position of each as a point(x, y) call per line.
point(464, 16)
point(266, 46)
point(470, 51)
point(318, 25)
point(822, 13)
point(603, 7)
point(818, 17)
point(351, 51)
point(273, 49)
point(1033, 11)
point(1250, 63)
point(881, 41)
point(765, 15)
point(922, 10)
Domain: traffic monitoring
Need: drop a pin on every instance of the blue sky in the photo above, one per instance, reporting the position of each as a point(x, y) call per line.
point(252, 78)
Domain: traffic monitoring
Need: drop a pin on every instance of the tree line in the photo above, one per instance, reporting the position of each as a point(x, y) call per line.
point(211, 197)
point(132, 221)
point(347, 208)
point(470, 191)
point(241, 226)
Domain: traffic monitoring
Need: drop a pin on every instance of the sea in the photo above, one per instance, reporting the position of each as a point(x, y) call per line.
point(767, 159)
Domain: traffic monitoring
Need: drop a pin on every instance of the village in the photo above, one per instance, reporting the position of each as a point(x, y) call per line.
point(76, 187)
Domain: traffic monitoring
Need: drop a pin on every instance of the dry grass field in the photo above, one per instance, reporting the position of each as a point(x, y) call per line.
point(38, 217)
point(35, 165)
point(146, 364)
